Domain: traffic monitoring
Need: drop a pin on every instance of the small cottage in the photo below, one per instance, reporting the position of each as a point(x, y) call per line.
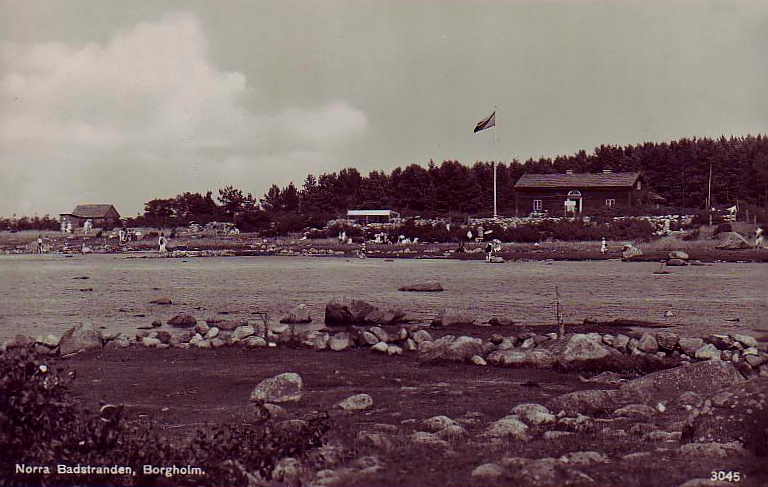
point(100, 215)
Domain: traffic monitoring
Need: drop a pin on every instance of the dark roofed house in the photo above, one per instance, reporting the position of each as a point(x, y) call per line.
point(100, 216)
point(571, 193)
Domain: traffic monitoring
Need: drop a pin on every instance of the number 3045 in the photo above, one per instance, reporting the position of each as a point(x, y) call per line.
point(725, 476)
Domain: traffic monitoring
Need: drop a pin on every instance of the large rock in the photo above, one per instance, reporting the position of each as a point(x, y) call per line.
point(346, 311)
point(739, 413)
point(298, 314)
point(679, 254)
point(732, 241)
point(538, 359)
point(183, 321)
point(285, 387)
point(79, 338)
point(340, 342)
point(243, 332)
point(451, 349)
point(508, 427)
point(358, 402)
point(648, 343)
point(422, 336)
point(423, 287)
point(630, 252)
point(701, 377)
point(676, 263)
point(579, 350)
point(689, 345)
point(590, 401)
point(667, 340)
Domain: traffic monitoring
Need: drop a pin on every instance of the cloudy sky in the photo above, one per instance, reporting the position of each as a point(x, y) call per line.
point(124, 101)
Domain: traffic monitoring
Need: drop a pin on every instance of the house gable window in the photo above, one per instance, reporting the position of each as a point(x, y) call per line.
point(537, 205)
point(610, 202)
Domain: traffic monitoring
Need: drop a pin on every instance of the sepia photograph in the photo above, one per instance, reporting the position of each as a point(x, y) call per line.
point(383, 243)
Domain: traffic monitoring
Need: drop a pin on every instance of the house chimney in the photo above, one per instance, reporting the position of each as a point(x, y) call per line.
point(607, 171)
point(569, 171)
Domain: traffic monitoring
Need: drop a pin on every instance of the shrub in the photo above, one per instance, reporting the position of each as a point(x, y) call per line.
point(40, 424)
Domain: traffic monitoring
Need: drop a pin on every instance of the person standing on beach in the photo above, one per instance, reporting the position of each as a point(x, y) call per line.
point(759, 238)
point(603, 246)
point(39, 244)
point(488, 252)
point(162, 241)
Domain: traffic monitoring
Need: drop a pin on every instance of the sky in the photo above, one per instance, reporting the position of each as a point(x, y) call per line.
point(125, 101)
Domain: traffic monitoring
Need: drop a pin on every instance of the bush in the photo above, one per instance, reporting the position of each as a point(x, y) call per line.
point(40, 424)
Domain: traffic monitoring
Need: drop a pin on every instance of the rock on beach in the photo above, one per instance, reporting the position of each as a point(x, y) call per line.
point(282, 388)
point(79, 338)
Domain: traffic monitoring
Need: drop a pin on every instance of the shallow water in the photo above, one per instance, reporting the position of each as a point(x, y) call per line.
point(38, 294)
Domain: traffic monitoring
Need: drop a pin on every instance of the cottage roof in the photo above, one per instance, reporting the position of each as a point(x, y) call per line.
point(578, 180)
point(92, 211)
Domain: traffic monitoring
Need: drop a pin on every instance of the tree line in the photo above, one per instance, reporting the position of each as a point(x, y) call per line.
point(677, 170)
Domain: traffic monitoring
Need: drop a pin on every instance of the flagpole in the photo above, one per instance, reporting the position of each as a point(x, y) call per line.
point(495, 144)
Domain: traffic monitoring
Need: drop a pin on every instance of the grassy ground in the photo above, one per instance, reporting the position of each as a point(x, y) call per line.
point(182, 390)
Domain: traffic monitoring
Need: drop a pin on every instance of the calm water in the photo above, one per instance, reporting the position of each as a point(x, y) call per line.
point(39, 295)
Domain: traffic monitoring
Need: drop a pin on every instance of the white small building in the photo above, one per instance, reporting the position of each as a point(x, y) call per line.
point(373, 216)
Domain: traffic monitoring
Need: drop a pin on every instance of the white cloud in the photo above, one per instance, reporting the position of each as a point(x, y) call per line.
point(148, 108)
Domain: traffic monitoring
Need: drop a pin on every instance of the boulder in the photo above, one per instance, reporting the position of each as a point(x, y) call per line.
point(255, 342)
point(422, 336)
point(183, 321)
point(368, 338)
point(488, 472)
point(648, 343)
point(700, 377)
point(381, 347)
point(746, 340)
point(676, 263)
point(478, 360)
point(708, 352)
point(120, 341)
point(689, 345)
point(380, 334)
point(452, 349)
point(667, 340)
point(346, 311)
point(533, 414)
point(732, 241)
point(436, 423)
point(590, 401)
point(422, 287)
point(429, 440)
point(202, 328)
point(163, 301)
point(630, 252)
point(636, 411)
point(150, 342)
point(243, 332)
point(340, 342)
point(538, 359)
point(578, 350)
point(723, 342)
point(738, 413)
point(508, 427)
point(321, 341)
point(79, 338)
point(501, 321)
point(679, 254)
point(298, 314)
point(285, 387)
point(358, 402)
point(394, 350)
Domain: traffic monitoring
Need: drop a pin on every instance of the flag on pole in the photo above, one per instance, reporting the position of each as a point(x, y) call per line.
point(486, 123)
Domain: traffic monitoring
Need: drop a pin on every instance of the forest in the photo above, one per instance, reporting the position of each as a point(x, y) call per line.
point(678, 170)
